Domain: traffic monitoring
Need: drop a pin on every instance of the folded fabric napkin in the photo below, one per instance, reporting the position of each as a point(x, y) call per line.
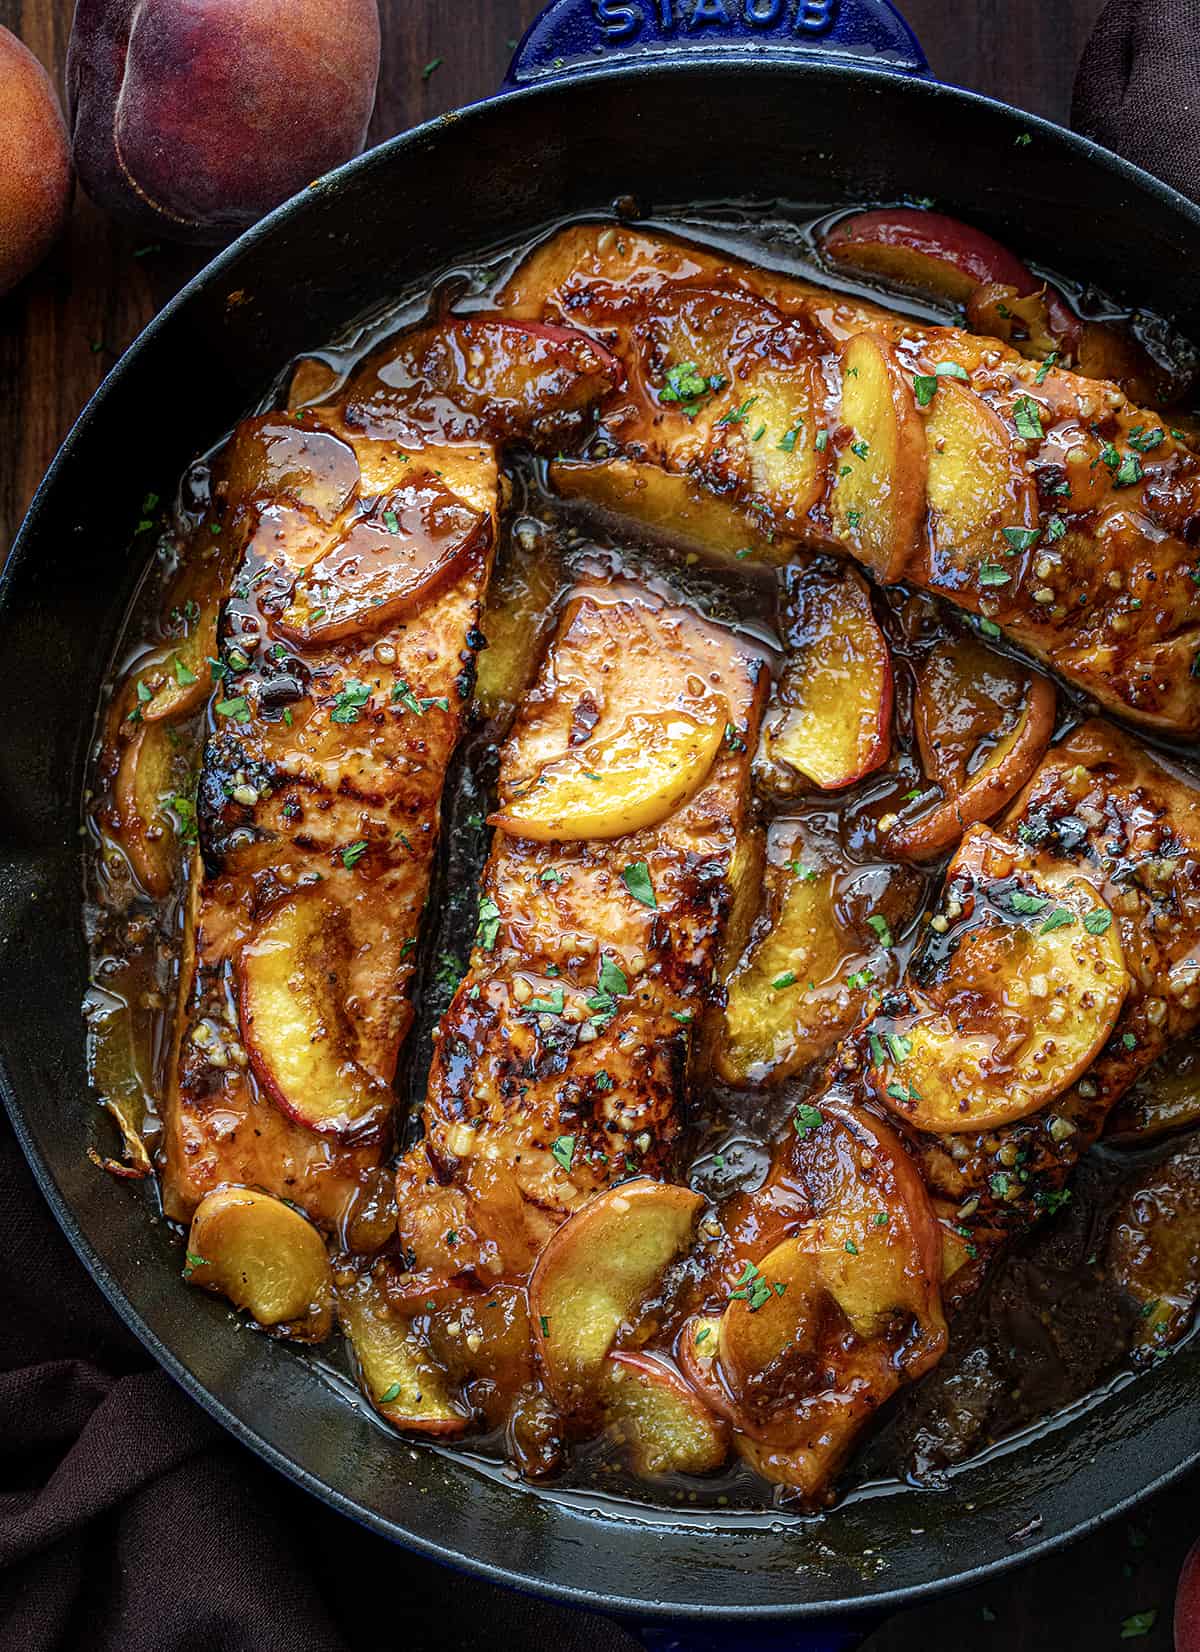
point(128, 1521)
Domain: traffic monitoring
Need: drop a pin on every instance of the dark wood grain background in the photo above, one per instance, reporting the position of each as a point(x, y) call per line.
point(62, 332)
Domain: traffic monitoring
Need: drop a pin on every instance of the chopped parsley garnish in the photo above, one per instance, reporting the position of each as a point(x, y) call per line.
point(807, 1119)
point(1027, 416)
point(1128, 471)
point(902, 1092)
point(1040, 376)
point(193, 1261)
point(787, 443)
point(184, 811)
point(860, 449)
point(403, 695)
point(563, 1151)
point(636, 878)
point(1021, 539)
point(900, 1046)
point(924, 388)
point(1141, 1623)
point(183, 676)
point(354, 852)
point(952, 370)
point(391, 521)
point(488, 927)
point(989, 628)
point(432, 67)
point(603, 1080)
point(1143, 440)
point(991, 573)
point(851, 1247)
point(879, 924)
point(348, 705)
point(1000, 1183)
point(685, 383)
point(235, 708)
point(1058, 919)
point(449, 970)
point(390, 1393)
point(822, 441)
point(1055, 529)
point(547, 1006)
point(738, 415)
point(553, 877)
point(787, 979)
point(754, 1290)
point(1053, 1200)
point(1098, 922)
point(1026, 904)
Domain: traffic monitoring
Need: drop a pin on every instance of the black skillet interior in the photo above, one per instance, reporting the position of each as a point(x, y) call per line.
point(451, 190)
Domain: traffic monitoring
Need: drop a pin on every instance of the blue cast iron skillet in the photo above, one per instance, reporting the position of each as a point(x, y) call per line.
point(676, 101)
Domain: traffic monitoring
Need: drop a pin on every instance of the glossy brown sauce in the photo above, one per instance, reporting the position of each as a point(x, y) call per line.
point(1053, 1323)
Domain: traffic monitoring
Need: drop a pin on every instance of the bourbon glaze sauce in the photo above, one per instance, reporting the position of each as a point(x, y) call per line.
point(1051, 1329)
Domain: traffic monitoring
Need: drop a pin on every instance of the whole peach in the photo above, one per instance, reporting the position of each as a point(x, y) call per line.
point(35, 162)
point(192, 118)
point(1187, 1605)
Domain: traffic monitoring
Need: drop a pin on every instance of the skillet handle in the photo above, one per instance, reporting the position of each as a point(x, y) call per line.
point(832, 1635)
point(570, 36)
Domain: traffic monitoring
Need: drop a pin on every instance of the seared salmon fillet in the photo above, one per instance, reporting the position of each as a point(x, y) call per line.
point(362, 547)
point(761, 411)
point(1126, 823)
point(560, 1063)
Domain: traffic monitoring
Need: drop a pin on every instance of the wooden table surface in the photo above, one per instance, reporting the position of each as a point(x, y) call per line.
point(63, 330)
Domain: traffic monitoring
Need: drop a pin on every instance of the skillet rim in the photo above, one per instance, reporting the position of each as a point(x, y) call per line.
point(383, 157)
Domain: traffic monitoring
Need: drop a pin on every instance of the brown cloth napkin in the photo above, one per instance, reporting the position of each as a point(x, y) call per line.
point(1138, 87)
point(128, 1521)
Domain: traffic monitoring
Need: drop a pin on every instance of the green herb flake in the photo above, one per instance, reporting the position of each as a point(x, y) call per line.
point(488, 925)
point(390, 1393)
point(1021, 539)
point(563, 1151)
point(236, 708)
point(952, 370)
point(636, 878)
point(1098, 922)
point(989, 628)
point(553, 1005)
point(787, 979)
point(1040, 376)
point(1025, 904)
point(354, 852)
point(1027, 416)
point(822, 441)
point(1140, 1624)
point(349, 702)
point(432, 67)
point(788, 441)
point(991, 573)
point(1060, 918)
point(924, 388)
point(807, 1119)
point(879, 924)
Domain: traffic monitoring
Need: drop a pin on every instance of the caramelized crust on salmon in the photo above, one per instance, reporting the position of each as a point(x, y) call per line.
point(560, 1063)
point(1035, 498)
point(1128, 822)
point(362, 549)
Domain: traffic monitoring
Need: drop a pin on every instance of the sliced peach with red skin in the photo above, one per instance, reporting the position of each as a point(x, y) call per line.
point(983, 724)
point(877, 502)
point(397, 1371)
point(1024, 991)
point(299, 1035)
point(664, 1424)
point(385, 563)
point(925, 252)
point(595, 1272)
point(832, 720)
point(265, 1257)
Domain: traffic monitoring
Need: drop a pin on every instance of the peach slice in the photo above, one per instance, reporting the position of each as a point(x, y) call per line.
point(388, 560)
point(629, 781)
point(877, 502)
point(398, 1373)
point(517, 618)
point(673, 507)
point(1164, 1099)
point(924, 252)
point(833, 714)
point(983, 724)
point(1154, 1247)
point(825, 1327)
point(978, 486)
point(297, 1030)
point(802, 983)
point(663, 1423)
point(785, 460)
point(150, 777)
point(265, 1257)
point(596, 1270)
point(1017, 999)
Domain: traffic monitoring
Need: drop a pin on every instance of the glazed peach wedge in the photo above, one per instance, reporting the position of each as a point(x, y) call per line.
point(1045, 504)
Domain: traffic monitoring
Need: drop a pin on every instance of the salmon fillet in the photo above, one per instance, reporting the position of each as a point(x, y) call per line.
point(1039, 500)
point(560, 1063)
